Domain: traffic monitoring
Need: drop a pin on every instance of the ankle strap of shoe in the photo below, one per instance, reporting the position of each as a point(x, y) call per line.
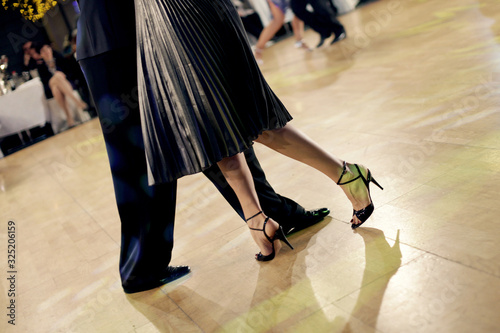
point(248, 219)
point(344, 170)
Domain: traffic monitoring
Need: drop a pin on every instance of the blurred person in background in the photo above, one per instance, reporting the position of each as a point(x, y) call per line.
point(28, 62)
point(323, 20)
point(51, 68)
point(278, 10)
point(251, 20)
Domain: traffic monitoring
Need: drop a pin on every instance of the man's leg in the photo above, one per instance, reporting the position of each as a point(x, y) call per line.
point(327, 14)
point(283, 210)
point(147, 212)
point(314, 21)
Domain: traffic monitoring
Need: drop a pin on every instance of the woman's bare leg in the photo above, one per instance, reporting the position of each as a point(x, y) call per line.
point(298, 28)
point(298, 31)
point(292, 143)
point(270, 30)
point(238, 176)
point(59, 79)
point(61, 100)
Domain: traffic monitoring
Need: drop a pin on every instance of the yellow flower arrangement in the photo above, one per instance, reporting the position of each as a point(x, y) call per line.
point(30, 9)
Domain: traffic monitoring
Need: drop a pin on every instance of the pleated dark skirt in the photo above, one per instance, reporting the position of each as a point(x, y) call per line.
point(201, 93)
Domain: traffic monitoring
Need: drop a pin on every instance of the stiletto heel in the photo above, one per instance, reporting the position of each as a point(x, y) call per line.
point(375, 182)
point(365, 213)
point(278, 235)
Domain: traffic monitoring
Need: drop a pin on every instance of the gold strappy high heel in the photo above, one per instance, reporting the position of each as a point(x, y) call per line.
point(362, 214)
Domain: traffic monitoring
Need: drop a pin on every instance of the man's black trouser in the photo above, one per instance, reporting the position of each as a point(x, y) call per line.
point(323, 20)
point(147, 213)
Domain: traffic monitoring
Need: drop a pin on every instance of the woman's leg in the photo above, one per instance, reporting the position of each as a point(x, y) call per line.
point(298, 28)
point(298, 31)
point(59, 79)
point(237, 174)
point(270, 30)
point(292, 143)
point(61, 100)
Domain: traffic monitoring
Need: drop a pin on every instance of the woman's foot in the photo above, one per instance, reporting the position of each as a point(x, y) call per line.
point(355, 189)
point(257, 52)
point(300, 44)
point(257, 224)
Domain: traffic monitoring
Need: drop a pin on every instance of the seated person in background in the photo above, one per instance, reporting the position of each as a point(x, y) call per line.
point(75, 74)
point(28, 62)
point(4, 62)
point(50, 67)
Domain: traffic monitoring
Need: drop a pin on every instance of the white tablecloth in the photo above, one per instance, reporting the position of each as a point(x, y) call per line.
point(24, 108)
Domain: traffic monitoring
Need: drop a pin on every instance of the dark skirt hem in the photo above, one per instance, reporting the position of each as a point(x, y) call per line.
point(164, 177)
point(202, 95)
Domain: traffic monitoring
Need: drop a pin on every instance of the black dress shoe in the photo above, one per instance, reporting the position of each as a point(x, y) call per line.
point(170, 274)
point(322, 40)
point(310, 218)
point(339, 37)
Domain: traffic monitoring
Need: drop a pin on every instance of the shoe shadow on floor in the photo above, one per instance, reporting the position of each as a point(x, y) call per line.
point(288, 294)
point(382, 263)
point(296, 302)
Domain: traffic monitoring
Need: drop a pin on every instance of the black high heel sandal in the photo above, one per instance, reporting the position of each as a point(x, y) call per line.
point(278, 235)
point(362, 214)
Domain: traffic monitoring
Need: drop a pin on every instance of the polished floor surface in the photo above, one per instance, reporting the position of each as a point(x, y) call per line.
point(413, 93)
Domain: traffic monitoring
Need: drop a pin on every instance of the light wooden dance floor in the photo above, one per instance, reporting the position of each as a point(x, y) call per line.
point(413, 93)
